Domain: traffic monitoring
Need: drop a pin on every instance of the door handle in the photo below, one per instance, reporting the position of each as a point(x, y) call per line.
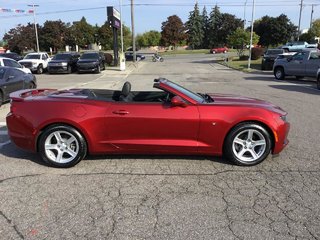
point(120, 112)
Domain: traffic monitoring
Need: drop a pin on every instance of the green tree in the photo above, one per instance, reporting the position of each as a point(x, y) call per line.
point(194, 27)
point(173, 31)
point(240, 38)
point(127, 37)
point(21, 38)
point(315, 28)
point(53, 35)
point(274, 31)
point(83, 33)
point(214, 25)
point(205, 28)
point(105, 36)
point(229, 24)
point(151, 38)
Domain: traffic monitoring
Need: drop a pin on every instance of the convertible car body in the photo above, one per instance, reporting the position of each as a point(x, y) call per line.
point(64, 126)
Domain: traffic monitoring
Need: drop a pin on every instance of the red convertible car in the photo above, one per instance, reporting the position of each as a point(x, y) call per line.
point(64, 126)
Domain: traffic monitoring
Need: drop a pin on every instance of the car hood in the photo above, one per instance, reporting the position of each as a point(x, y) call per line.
point(87, 60)
point(237, 100)
point(59, 61)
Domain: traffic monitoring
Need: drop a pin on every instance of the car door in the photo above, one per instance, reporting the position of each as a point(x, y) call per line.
point(296, 64)
point(13, 80)
point(313, 64)
point(152, 127)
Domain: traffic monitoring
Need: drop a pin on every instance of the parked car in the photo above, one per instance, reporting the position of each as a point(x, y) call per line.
point(63, 63)
point(91, 62)
point(302, 64)
point(36, 62)
point(12, 55)
point(129, 56)
point(268, 58)
point(13, 79)
point(297, 46)
point(219, 50)
point(64, 126)
point(8, 62)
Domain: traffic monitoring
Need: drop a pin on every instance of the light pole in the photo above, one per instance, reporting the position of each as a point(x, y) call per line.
point(35, 24)
point(251, 33)
point(301, 5)
point(244, 15)
point(133, 34)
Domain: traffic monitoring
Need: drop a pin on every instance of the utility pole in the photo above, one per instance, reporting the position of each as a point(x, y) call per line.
point(35, 24)
point(301, 5)
point(251, 33)
point(133, 34)
point(244, 15)
point(311, 15)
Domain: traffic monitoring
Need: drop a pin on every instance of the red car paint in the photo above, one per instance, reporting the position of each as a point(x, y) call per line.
point(141, 127)
point(219, 50)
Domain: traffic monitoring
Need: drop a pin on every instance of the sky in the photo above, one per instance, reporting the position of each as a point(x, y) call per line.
point(149, 14)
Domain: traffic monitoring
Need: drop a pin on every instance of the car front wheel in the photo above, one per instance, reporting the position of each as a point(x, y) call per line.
point(247, 144)
point(62, 146)
point(40, 69)
point(279, 73)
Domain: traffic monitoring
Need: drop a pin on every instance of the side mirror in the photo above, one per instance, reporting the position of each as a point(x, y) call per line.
point(177, 101)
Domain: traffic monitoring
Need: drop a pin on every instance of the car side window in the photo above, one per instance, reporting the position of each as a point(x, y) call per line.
point(18, 74)
point(44, 57)
point(314, 56)
point(12, 63)
point(299, 56)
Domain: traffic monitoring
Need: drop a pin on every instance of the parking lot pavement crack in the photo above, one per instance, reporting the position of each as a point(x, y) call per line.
point(10, 222)
point(17, 177)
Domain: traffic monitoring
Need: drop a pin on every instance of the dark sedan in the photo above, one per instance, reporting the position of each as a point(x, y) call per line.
point(269, 57)
point(91, 62)
point(63, 63)
point(13, 79)
point(12, 55)
point(129, 56)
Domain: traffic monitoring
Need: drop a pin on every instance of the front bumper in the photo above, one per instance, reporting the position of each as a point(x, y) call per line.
point(87, 67)
point(281, 137)
point(57, 69)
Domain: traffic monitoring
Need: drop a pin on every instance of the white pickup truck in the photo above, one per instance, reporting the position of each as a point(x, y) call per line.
point(302, 64)
point(36, 62)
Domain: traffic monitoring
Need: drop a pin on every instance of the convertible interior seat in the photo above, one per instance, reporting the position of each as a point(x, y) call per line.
point(125, 94)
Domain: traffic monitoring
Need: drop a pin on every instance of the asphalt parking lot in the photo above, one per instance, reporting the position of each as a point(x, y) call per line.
point(171, 197)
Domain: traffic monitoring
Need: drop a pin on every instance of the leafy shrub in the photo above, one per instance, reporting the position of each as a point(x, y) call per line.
point(109, 58)
point(256, 53)
point(244, 57)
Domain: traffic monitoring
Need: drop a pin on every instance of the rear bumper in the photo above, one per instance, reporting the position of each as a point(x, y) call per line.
point(62, 69)
point(21, 132)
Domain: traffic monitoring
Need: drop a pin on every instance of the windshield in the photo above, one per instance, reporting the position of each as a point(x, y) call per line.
point(62, 57)
point(90, 56)
point(32, 56)
point(186, 92)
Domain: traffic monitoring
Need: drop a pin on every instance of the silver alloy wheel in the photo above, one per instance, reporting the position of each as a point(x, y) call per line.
point(249, 145)
point(61, 147)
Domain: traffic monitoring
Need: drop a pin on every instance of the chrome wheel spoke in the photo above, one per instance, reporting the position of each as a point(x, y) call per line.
point(71, 152)
point(71, 140)
point(259, 142)
point(59, 156)
point(242, 152)
point(253, 154)
point(51, 146)
point(250, 134)
point(58, 136)
point(239, 141)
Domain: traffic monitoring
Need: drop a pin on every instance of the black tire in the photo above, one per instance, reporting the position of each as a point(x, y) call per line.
point(40, 69)
point(32, 85)
point(239, 153)
point(299, 77)
point(98, 70)
point(161, 59)
point(69, 69)
point(154, 59)
point(263, 67)
point(62, 149)
point(318, 82)
point(279, 73)
point(1, 98)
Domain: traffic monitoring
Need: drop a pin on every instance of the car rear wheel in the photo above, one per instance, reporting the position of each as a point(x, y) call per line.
point(247, 144)
point(279, 73)
point(62, 146)
point(318, 82)
point(69, 69)
point(98, 70)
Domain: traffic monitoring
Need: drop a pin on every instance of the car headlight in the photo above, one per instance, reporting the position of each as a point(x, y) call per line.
point(64, 64)
point(34, 63)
